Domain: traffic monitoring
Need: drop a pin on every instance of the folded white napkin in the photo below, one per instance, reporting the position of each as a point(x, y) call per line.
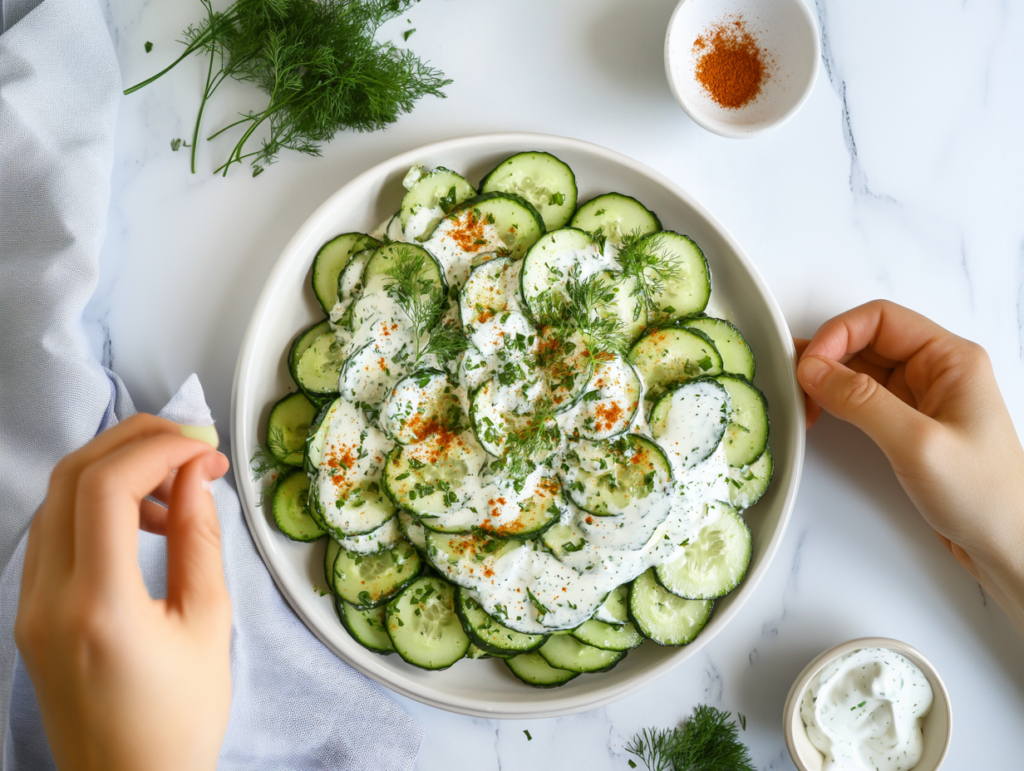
point(294, 704)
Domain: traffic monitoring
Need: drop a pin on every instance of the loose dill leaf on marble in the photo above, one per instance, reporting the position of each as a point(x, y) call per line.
point(320, 65)
point(648, 266)
point(707, 741)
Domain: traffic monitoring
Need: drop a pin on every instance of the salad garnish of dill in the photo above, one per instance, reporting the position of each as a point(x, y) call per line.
point(265, 460)
point(649, 267)
point(317, 60)
point(708, 740)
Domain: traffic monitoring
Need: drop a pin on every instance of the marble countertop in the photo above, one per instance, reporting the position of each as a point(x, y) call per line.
point(902, 177)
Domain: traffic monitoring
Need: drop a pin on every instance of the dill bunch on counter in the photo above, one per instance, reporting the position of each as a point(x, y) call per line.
point(320, 65)
point(707, 741)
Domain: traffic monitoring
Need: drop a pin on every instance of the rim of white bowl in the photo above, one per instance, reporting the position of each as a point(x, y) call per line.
point(554, 705)
point(730, 131)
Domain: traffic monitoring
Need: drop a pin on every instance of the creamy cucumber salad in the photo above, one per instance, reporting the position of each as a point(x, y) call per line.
point(522, 433)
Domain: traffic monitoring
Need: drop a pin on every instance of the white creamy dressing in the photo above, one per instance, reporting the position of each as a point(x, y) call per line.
point(864, 711)
point(529, 586)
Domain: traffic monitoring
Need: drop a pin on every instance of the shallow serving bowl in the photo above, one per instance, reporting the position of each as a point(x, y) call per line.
point(287, 305)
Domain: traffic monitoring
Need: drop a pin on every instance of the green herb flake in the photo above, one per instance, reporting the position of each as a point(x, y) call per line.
point(148, 46)
point(408, 33)
point(528, 737)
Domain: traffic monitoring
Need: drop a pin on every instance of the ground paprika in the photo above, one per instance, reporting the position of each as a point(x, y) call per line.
point(730, 65)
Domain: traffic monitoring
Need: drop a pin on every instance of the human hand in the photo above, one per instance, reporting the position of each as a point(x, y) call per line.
point(125, 682)
point(929, 400)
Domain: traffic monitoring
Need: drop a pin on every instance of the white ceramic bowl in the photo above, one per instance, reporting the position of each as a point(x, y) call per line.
point(785, 29)
point(287, 305)
point(936, 729)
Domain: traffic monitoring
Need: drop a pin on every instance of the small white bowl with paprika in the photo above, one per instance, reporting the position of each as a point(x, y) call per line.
point(740, 67)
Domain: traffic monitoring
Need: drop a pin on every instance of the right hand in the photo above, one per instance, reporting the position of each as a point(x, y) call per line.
point(929, 400)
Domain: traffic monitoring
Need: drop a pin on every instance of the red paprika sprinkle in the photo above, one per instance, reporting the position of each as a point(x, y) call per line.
point(730, 65)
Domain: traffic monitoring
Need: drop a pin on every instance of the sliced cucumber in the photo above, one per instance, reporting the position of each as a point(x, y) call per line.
point(424, 627)
point(566, 365)
point(350, 280)
point(549, 265)
point(748, 484)
point(467, 560)
point(518, 223)
point(288, 427)
point(330, 554)
point(614, 215)
point(488, 292)
point(430, 198)
point(564, 651)
point(687, 292)
point(541, 179)
point(422, 268)
point(563, 540)
point(689, 421)
point(737, 358)
point(384, 538)
point(305, 339)
point(714, 562)
point(331, 260)
point(419, 406)
point(476, 653)
point(533, 670)
point(609, 637)
point(605, 478)
point(413, 531)
point(490, 636)
point(627, 306)
point(425, 478)
point(665, 357)
point(319, 367)
point(615, 608)
point(367, 582)
point(747, 434)
point(367, 627)
point(289, 508)
point(610, 402)
point(493, 426)
point(663, 617)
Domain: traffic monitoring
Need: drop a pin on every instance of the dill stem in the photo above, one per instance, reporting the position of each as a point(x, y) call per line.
point(199, 116)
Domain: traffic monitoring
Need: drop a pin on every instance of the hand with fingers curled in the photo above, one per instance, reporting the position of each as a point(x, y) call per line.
point(930, 401)
point(125, 681)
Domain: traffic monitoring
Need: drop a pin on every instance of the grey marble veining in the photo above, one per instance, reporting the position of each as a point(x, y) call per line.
point(902, 177)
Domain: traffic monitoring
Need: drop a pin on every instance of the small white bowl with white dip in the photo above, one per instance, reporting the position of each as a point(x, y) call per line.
point(838, 673)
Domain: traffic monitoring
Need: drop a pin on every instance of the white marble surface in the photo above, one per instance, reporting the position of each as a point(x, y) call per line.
point(902, 177)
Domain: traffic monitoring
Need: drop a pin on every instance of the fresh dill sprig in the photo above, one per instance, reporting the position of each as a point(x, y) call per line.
point(649, 267)
point(585, 306)
point(446, 342)
point(413, 287)
point(707, 741)
point(531, 438)
point(317, 60)
point(266, 460)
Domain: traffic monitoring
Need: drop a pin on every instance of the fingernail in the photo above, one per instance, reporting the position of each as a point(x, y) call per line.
point(812, 371)
point(206, 434)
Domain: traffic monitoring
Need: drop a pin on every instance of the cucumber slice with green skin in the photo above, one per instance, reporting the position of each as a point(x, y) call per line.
point(305, 339)
point(330, 554)
point(345, 460)
point(689, 421)
point(562, 540)
point(467, 560)
point(289, 508)
point(563, 651)
point(614, 215)
point(548, 266)
point(518, 223)
point(424, 627)
point(413, 531)
point(533, 670)
point(424, 268)
point(663, 617)
point(350, 285)
point(541, 179)
point(714, 562)
point(367, 627)
point(609, 637)
point(615, 608)
point(746, 436)
point(430, 198)
point(748, 484)
point(489, 292)
point(688, 291)
point(606, 478)
point(331, 260)
point(367, 582)
point(494, 426)
point(384, 538)
point(425, 478)
point(667, 356)
point(419, 406)
point(565, 363)
point(610, 402)
point(318, 369)
point(288, 426)
point(490, 636)
point(477, 653)
point(627, 307)
point(737, 358)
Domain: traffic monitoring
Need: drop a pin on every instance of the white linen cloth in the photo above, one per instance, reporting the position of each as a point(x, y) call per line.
point(294, 704)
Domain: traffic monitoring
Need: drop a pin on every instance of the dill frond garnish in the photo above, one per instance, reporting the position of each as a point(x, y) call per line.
point(266, 460)
point(317, 60)
point(533, 437)
point(649, 267)
point(446, 342)
point(707, 741)
point(587, 306)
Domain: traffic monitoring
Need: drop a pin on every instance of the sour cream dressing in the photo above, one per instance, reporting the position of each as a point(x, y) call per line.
point(864, 711)
point(528, 587)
